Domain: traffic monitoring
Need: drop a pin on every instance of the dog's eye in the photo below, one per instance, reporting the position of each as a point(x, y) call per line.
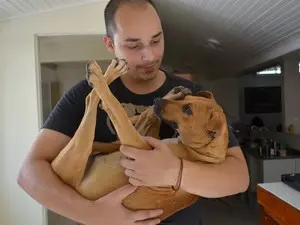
point(211, 134)
point(187, 110)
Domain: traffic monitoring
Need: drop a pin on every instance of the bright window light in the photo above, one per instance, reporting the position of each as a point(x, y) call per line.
point(271, 71)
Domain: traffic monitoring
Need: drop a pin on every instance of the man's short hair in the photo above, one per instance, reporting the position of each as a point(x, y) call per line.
point(111, 9)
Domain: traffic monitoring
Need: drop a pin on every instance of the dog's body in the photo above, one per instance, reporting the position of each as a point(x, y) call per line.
point(196, 118)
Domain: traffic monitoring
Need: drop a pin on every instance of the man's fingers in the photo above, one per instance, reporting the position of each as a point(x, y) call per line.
point(122, 192)
point(129, 151)
point(128, 163)
point(155, 143)
point(148, 222)
point(146, 214)
point(136, 181)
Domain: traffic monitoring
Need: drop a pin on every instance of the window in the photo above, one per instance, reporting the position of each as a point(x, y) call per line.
point(272, 71)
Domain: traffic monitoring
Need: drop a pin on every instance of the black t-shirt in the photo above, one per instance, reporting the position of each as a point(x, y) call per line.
point(68, 113)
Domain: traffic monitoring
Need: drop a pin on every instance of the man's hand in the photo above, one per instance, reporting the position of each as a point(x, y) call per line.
point(157, 167)
point(109, 210)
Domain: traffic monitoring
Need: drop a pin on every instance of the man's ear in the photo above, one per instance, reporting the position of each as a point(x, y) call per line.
point(109, 43)
point(216, 123)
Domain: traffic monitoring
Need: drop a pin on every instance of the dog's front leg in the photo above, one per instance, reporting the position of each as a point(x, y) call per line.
point(126, 131)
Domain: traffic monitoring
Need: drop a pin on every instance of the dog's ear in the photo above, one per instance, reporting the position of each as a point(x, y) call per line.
point(206, 94)
point(215, 124)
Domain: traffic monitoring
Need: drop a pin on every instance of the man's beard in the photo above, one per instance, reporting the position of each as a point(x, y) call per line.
point(148, 71)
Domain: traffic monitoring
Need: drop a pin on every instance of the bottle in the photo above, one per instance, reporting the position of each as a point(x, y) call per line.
point(272, 150)
point(291, 129)
point(260, 151)
point(275, 148)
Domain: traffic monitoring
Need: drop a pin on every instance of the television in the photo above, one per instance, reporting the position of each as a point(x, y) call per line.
point(263, 100)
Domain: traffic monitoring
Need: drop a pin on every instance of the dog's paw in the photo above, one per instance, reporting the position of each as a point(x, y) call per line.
point(117, 68)
point(92, 67)
point(177, 93)
point(185, 91)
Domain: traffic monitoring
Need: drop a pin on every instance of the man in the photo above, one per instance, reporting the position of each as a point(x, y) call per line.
point(134, 33)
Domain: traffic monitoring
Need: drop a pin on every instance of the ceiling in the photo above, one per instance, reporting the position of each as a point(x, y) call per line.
point(243, 33)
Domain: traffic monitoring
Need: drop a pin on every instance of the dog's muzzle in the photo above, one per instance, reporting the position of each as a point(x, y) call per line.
point(158, 110)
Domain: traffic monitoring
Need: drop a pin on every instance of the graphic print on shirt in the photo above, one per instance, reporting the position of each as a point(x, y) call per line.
point(131, 110)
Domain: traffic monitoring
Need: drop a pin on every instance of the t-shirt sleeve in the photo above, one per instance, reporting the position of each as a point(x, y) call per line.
point(69, 110)
point(233, 142)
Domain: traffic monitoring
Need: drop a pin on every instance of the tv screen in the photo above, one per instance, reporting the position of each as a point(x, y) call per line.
point(262, 100)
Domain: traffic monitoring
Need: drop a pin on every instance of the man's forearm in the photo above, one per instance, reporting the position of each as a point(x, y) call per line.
point(38, 180)
point(216, 180)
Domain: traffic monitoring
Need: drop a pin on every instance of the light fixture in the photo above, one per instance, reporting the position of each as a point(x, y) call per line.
point(213, 44)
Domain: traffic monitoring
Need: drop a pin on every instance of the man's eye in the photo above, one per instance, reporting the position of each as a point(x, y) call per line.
point(133, 47)
point(156, 41)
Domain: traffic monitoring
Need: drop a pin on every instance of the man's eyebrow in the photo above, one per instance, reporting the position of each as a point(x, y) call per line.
point(157, 35)
point(138, 39)
point(132, 39)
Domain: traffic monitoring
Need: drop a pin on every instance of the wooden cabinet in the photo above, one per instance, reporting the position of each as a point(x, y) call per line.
point(270, 170)
point(275, 210)
point(265, 219)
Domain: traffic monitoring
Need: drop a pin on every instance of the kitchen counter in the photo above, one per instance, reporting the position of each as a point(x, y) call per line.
point(280, 204)
point(270, 169)
point(283, 192)
point(291, 154)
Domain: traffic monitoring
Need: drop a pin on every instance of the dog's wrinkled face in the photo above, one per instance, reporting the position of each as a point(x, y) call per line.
point(193, 116)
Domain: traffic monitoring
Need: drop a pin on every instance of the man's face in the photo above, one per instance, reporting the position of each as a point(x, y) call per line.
point(139, 40)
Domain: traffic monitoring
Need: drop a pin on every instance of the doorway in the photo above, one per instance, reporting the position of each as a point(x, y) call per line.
point(61, 61)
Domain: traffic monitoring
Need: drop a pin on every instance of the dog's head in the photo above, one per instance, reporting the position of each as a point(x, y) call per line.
point(196, 118)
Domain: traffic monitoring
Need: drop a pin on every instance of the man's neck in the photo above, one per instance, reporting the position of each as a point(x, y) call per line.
point(144, 87)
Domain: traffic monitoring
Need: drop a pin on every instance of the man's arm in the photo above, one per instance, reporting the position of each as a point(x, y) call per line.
point(37, 178)
point(217, 180)
point(203, 179)
point(39, 181)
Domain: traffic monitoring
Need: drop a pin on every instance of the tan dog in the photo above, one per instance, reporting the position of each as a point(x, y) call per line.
point(203, 136)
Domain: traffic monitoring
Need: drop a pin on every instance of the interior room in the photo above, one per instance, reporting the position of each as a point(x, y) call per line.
point(246, 53)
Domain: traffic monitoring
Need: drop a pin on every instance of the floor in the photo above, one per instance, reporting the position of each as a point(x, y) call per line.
point(230, 211)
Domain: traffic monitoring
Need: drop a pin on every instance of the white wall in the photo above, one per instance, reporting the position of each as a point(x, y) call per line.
point(2, 166)
point(19, 120)
point(66, 74)
point(229, 93)
point(70, 73)
point(48, 75)
point(72, 48)
point(292, 91)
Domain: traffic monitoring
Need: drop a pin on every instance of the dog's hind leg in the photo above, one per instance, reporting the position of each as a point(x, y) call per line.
point(71, 162)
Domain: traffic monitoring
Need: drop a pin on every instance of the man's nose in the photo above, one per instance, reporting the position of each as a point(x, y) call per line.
point(148, 54)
